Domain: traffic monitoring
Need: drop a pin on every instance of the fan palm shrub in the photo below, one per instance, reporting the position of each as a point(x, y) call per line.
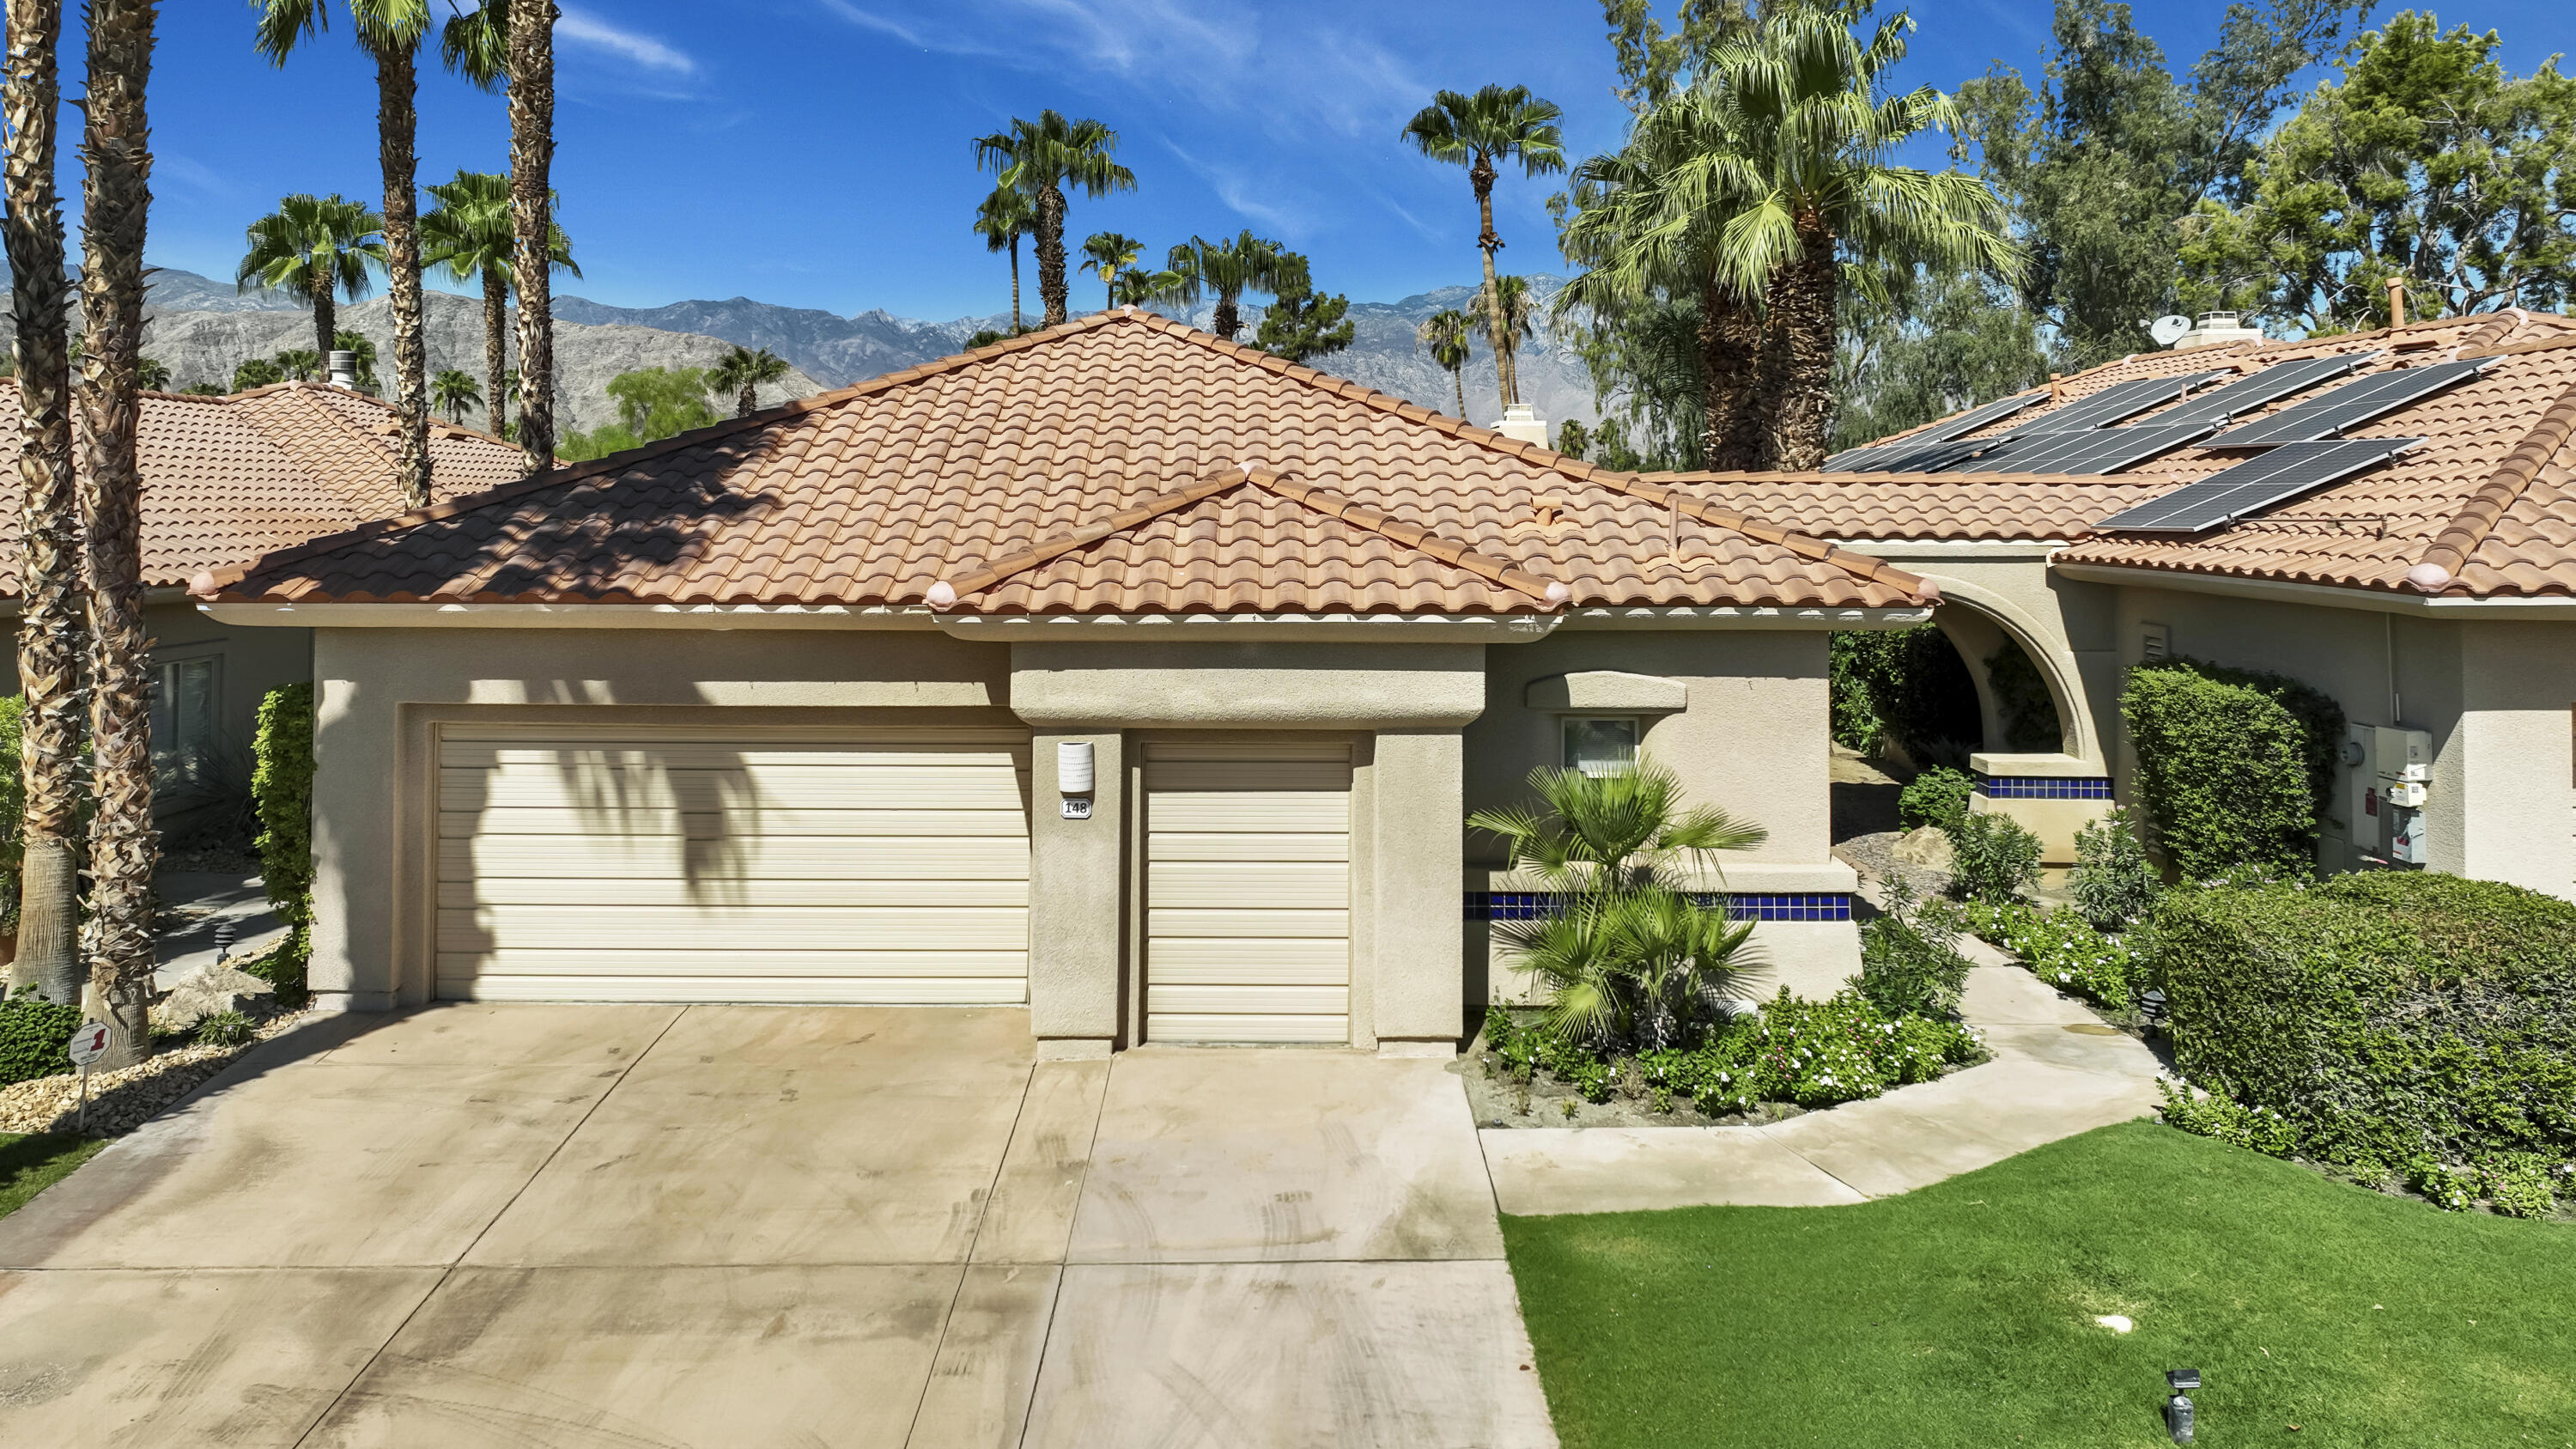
point(1629, 956)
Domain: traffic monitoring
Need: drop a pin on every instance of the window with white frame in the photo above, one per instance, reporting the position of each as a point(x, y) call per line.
point(187, 709)
point(1600, 744)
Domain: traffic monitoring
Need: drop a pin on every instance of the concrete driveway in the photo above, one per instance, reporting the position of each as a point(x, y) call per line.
point(713, 1226)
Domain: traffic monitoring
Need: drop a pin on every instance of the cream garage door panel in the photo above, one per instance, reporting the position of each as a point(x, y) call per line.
point(1248, 892)
point(667, 865)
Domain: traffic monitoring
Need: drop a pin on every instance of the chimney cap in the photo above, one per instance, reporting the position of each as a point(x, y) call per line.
point(344, 368)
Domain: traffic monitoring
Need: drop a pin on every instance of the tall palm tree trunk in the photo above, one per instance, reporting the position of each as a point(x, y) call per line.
point(1227, 321)
point(123, 845)
point(496, 349)
point(1730, 350)
point(396, 124)
point(1051, 255)
point(1488, 242)
point(326, 316)
point(1458, 385)
point(49, 528)
point(1798, 355)
point(532, 156)
point(749, 402)
point(1015, 286)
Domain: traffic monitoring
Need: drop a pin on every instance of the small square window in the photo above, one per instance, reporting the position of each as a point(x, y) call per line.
point(186, 698)
point(1599, 746)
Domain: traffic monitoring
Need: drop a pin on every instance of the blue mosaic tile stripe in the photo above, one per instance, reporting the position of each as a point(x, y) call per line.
point(2043, 787)
point(1742, 905)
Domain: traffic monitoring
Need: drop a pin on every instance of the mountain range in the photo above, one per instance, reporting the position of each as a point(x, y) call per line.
point(201, 329)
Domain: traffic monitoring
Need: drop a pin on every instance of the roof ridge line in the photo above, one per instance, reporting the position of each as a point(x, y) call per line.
point(1553, 592)
point(2441, 563)
point(1206, 486)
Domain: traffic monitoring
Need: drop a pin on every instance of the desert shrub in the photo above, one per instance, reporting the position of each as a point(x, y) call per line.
point(1909, 957)
point(1938, 796)
point(223, 1028)
point(2387, 1016)
point(2233, 765)
point(2061, 948)
point(1993, 858)
point(2028, 712)
point(35, 1038)
point(1905, 686)
point(2113, 882)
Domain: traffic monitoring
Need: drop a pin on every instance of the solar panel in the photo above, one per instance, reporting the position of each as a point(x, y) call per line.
point(1908, 456)
point(1974, 418)
point(2274, 476)
point(2118, 401)
point(2093, 450)
point(2350, 405)
point(2282, 379)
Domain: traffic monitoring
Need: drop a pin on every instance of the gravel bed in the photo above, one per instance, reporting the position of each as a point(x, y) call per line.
point(121, 1101)
point(1874, 856)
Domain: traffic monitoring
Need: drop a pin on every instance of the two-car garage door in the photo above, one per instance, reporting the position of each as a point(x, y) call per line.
point(662, 864)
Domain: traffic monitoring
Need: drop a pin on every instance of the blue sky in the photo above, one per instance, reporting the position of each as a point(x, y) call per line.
point(815, 152)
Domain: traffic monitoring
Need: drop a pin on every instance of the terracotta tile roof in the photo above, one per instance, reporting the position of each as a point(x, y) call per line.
point(1118, 464)
point(2483, 499)
point(226, 479)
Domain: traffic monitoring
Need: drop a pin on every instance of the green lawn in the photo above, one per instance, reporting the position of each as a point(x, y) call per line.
point(1963, 1314)
point(31, 1163)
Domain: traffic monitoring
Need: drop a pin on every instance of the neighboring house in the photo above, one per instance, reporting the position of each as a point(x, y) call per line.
point(1133, 674)
point(224, 480)
point(2403, 538)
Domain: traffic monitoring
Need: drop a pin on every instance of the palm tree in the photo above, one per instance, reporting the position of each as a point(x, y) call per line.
point(520, 35)
point(50, 662)
point(314, 248)
point(1810, 133)
point(1444, 335)
point(1630, 956)
point(743, 371)
point(1226, 270)
point(1137, 288)
point(1040, 161)
point(1108, 253)
point(123, 848)
point(389, 32)
point(1004, 218)
point(453, 392)
point(1508, 313)
point(1496, 124)
point(300, 364)
point(470, 233)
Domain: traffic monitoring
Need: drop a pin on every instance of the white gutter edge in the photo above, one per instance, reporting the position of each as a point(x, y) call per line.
point(1895, 548)
point(2323, 595)
point(1848, 620)
point(570, 616)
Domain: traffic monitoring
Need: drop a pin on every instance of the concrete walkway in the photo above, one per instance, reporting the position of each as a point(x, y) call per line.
point(2057, 1071)
point(654, 1226)
point(192, 903)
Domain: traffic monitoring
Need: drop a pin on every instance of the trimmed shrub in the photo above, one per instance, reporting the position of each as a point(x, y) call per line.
point(1908, 686)
point(1993, 858)
point(1938, 796)
point(2113, 883)
point(281, 786)
point(2029, 712)
point(1909, 959)
point(2214, 1114)
point(2387, 1016)
point(35, 1038)
point(2233, 765)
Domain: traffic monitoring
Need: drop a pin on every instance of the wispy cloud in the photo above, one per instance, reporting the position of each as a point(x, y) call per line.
point(189, 173)
point(1248, 197)
point(586, 31)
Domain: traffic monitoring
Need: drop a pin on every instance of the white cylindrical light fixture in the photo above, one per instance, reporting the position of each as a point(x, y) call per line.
point(1073, 767)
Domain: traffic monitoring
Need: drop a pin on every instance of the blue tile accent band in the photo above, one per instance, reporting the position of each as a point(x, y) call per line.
point(1742, 905)
point(2043, 787)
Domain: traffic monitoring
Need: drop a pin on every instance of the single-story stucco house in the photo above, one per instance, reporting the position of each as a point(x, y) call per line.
point(1117, 669)
point(226, 479)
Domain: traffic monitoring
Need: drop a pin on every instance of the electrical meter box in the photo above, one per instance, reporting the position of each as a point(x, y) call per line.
point(2387, 774)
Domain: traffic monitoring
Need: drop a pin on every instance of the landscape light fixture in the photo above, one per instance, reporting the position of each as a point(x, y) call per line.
point(2152, 1002)
point(2178, 1408)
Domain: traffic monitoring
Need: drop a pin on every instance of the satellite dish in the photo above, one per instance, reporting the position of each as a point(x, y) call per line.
point(2168, 330)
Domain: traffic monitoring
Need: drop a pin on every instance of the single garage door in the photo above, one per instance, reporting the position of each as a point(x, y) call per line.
point(1248, 892)
point(645, 864)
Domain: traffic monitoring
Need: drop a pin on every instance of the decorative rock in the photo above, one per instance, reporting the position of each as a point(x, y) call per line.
point(210, 992)
point(1925, 845)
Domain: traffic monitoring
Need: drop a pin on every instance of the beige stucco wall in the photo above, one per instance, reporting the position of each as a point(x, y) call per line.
point(2066, 626)
point(2516, 768)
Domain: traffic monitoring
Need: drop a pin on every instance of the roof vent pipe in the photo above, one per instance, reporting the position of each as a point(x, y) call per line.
point(344, 370)
point(2396, 301)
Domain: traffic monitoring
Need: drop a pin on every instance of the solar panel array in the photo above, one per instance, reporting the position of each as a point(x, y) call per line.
point(2350, 405)
point(1882, 457)
point(2093, 450)
point(2280, 380)
point(1920, 458)
point(2274, 476)
point(2119, 400)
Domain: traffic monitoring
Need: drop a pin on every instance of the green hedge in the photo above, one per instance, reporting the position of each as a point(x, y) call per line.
point(1907, 685)
point(2387, 1017)
point(2233, 765)
point(2028, 710)
point(281, 786)
point(35, 1038)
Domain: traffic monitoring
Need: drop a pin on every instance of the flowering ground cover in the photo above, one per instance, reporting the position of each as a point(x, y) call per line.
point(1964, 1314)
